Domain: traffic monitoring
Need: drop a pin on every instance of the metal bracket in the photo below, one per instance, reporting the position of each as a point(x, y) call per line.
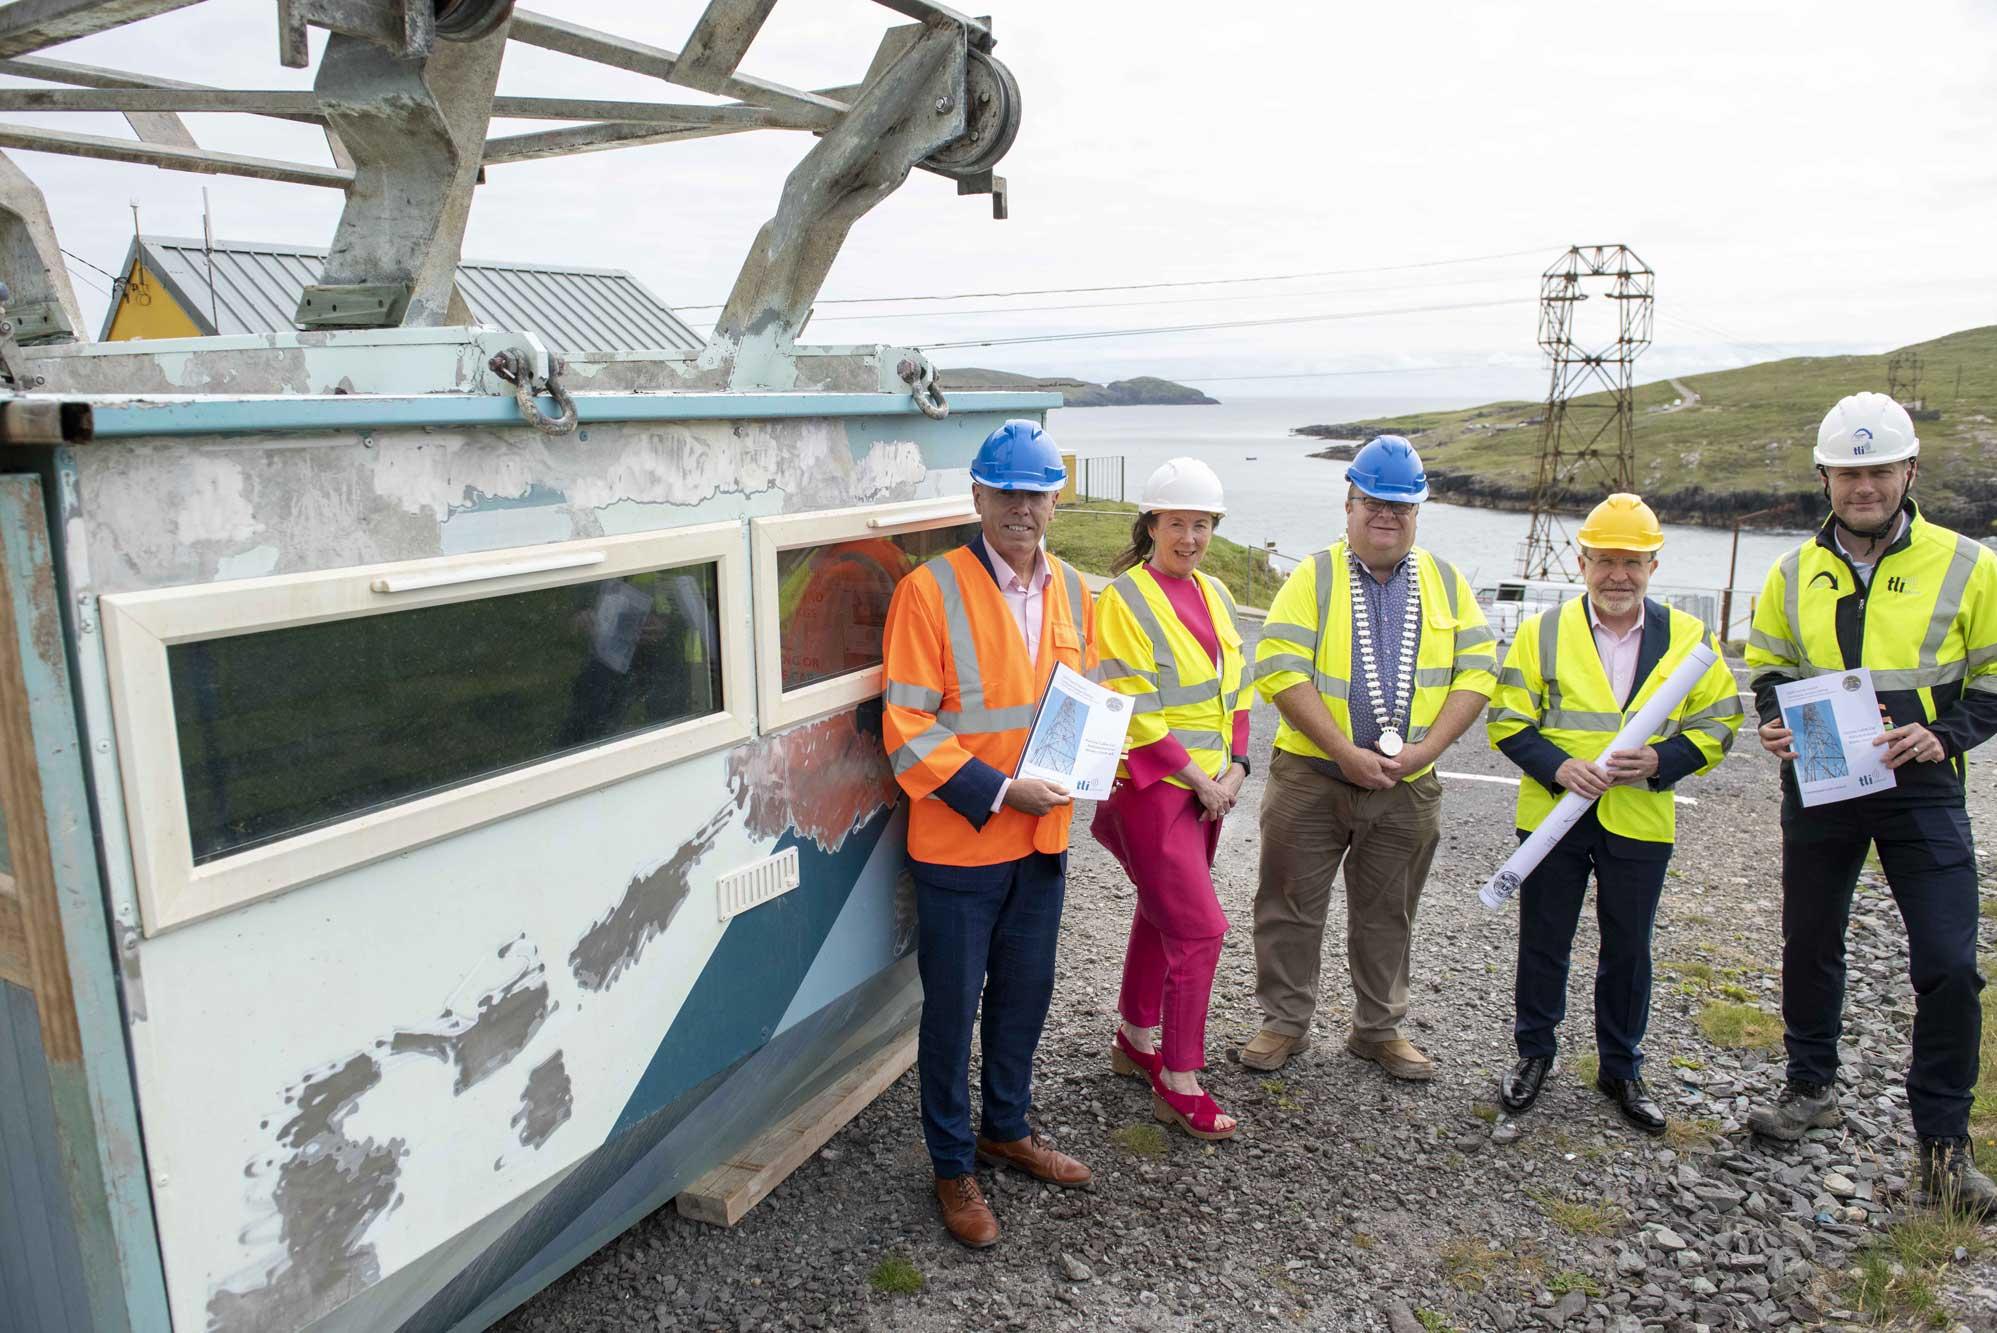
point(352, 305)
point(13, 365)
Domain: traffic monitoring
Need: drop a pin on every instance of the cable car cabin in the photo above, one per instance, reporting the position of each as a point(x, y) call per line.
point(431, 843)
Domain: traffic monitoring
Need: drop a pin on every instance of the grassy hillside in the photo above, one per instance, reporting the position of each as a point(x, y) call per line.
point(1090, 539)
point(1744, 444)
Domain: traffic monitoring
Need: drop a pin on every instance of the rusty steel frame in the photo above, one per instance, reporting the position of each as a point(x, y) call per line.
point(1581, 440)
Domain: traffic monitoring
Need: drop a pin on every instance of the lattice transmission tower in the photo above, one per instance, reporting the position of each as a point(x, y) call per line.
point(1586, 435)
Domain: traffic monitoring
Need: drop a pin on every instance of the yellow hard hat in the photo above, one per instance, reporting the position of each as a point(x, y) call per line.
point(1623, 522)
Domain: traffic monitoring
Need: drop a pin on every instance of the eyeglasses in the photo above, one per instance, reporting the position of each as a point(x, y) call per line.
point(1372, 506)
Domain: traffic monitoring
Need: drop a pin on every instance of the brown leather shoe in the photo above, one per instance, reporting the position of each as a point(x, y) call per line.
point(1037, 1158)
point(965, 1212)
point(1397, 1056)
point(1272, 1050)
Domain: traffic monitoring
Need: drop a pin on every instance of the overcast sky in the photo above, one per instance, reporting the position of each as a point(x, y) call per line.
point(1803, 177)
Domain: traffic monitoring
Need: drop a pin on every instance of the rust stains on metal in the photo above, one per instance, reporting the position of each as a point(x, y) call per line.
point(498, 1029)
point(823, 779)
point(646, 909)
point(546, 1103)
point(329, 1190)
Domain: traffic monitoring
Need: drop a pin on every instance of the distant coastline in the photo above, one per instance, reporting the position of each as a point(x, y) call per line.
point(1142, 391)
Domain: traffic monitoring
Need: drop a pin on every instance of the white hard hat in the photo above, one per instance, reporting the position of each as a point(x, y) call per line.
point(1182, 483)
point(1864, 429)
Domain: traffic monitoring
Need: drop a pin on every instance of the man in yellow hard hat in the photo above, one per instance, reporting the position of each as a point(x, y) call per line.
point(1572, 677)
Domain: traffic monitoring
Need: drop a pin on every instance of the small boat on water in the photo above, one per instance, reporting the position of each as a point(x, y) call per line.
point(445, 811)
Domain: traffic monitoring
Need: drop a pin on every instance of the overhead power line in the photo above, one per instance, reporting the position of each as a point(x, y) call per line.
point(1154, 286)
point(87, 264)
point(1227, 324)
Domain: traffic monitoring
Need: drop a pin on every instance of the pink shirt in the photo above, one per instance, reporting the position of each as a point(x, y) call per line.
point(1023, 597)
point(1166, 756)
point(1619, 651)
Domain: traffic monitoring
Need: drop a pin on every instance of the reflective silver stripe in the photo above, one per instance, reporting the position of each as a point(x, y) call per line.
point(1417, 732)
point(1513, 677)
point(1276, 663)
point(1428, 677)
point(971, 721)
point(1176, 696)
point(1986, 684)
point(1549, 655)
point(1728, 707)
point(1199, 740)
point(1949, 605)
point(963, 648)
point(1494, 715)
point(1791, 566)
point(1474, 636)
point(1978, 658)
point(917, 748)
point(1447, 572)
point(1917, 678)
point(1095, 673)
point(1115, 668)
point(1330, 687)
point(1289, 631)
point(1227, 600)
point(1719, 731)
point(1144, 703)
point(1781, 649)
point(1323, 571)
point(919, 697)
point(1569, 719)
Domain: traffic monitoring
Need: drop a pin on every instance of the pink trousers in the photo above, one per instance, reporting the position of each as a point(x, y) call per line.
point(1156, 833)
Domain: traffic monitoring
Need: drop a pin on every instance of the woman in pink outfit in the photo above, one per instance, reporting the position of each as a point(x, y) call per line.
point(1167, 637)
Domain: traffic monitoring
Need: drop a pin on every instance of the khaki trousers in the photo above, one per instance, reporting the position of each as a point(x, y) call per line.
point(1386, 839)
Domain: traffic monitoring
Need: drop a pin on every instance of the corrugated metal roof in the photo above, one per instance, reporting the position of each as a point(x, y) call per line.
point(257, 287)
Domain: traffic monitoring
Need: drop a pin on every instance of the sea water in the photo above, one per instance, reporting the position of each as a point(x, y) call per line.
point(1276, 492)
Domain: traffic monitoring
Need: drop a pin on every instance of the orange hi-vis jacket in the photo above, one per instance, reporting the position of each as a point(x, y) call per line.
point(959, 702)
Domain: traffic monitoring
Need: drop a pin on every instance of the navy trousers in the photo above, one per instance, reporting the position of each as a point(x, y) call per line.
point(1629, 877)
point(990, 932)
point(1930, 865)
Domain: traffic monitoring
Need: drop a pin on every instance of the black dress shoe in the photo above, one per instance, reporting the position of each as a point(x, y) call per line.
point(1633, 1100)
point(1520, 1088)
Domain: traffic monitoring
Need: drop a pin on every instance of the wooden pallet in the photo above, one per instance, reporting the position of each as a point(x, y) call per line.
point(729, 1191)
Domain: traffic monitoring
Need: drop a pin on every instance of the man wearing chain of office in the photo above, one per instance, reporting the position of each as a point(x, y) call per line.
point(1378, 657)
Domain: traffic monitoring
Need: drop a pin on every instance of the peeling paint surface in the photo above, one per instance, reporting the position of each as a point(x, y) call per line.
point(329, 1190)
point(199, 511)
point(545, 1103)
point(499, 1027)
point(824, 779)
point(647, 908)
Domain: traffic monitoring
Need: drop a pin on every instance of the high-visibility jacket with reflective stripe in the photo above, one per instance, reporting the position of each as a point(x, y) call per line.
point(1554, 679)
point(1308, 638)
point(960, 686)
point(1926, 627)
point(1149, 654)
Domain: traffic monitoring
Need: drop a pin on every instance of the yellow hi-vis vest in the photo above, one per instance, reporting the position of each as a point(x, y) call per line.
point(1926, 626)
point(1149, 654)
point(1554, 679)
point(1308, 638)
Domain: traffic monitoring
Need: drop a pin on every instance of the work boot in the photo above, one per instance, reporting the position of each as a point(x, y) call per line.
point(1272, 1050)
point(1398, 1056)
point(1801, 1107)
point(1951, 1182)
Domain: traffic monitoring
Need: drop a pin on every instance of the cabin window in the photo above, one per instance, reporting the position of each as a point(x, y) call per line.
point(300, 727)
point(832, 599)
point(279, 730)
point(823, 584)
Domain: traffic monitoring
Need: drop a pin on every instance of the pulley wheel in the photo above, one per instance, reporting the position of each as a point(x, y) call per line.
point(469, 20)
point(991, 119)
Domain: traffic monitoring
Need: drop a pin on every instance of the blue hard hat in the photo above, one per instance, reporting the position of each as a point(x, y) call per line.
point(1388, 468)
point(1019, 456)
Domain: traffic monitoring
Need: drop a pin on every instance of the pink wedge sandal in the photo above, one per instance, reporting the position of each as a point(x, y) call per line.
point(1197, 1115)
point(1127, 1059)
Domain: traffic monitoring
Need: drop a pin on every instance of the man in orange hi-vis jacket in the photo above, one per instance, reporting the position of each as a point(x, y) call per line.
point(972, 638)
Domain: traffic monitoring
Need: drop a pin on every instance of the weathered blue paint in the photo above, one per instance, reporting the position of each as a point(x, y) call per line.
point(264, 415)
point(102, 1179)
point(41, 1267)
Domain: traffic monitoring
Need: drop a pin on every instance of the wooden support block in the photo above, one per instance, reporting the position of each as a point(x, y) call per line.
point(730, 1190)
point(13, 937)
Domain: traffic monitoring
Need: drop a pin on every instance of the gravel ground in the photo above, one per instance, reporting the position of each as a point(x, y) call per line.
point(1350, 1200)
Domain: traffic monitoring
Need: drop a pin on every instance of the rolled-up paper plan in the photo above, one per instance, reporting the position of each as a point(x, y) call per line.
point(1564, 816)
